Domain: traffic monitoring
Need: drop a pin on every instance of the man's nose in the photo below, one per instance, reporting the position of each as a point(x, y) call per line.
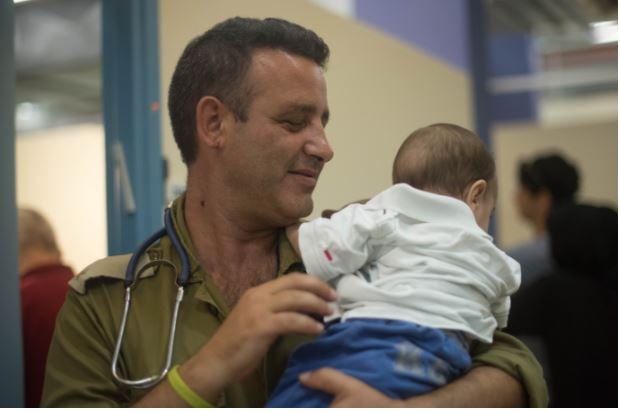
point(318, 146)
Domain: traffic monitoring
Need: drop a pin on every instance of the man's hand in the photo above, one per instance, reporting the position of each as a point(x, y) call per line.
point(348, 392)
point(262, 314)
point(481, 387)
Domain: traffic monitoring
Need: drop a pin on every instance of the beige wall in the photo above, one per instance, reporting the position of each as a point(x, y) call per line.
point(593, 147)
point(61, 173)
point(379, 89)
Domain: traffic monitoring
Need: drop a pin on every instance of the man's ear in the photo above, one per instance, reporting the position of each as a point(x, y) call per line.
point(211, 114)
point(475, 193)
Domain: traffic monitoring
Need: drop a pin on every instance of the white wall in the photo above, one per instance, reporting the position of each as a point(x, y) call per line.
point(592, 146)
point(61, 173)
point(379, 89)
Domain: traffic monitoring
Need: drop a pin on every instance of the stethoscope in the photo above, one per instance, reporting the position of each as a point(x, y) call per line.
point(130, 276)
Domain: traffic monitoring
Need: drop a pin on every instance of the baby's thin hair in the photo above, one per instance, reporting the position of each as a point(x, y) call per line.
point(443, 158)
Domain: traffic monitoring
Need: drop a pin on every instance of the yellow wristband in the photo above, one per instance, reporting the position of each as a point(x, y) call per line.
point(185, 392)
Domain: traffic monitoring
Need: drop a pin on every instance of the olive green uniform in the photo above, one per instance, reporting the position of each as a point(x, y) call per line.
point(79, 361)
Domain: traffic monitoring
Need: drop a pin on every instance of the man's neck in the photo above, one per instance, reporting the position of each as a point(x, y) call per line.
point(236, 257)
point(213, 224)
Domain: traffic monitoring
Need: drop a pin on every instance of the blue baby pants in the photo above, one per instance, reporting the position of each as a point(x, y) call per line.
point(400, 359)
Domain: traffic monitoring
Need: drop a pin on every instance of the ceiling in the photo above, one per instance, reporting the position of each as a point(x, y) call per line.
point(58, 49)
point(548, 17)
point(575, 44)
point(58, 62)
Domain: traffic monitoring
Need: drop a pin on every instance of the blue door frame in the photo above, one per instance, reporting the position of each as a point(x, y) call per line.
point(479, 71)
point(11, 372)
point(134, 164)
point(132, 124)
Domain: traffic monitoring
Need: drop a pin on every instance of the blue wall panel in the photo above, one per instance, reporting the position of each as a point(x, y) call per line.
point(512, 55)
point(439, 27)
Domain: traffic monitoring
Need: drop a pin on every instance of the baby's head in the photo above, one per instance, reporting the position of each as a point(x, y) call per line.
point(449, 160)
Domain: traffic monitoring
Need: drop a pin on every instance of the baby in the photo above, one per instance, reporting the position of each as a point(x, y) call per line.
point(418, 276)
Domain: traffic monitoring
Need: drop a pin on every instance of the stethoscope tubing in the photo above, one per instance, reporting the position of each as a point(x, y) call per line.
point(130, 276)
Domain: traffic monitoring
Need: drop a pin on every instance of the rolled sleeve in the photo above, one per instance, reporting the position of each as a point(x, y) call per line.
point(513, 357)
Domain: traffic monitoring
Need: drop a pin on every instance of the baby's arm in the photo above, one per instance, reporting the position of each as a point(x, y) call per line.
point(345, 242)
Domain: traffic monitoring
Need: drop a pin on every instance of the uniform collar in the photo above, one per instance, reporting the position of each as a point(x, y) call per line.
point(178, 220)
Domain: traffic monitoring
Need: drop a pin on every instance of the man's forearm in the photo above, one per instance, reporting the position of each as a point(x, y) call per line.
point(162, 396)
point(483, 386)
point(207, 385)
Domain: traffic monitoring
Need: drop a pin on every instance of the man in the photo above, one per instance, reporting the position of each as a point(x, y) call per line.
point(43, 287)
point(544, 183)
point(248, 107)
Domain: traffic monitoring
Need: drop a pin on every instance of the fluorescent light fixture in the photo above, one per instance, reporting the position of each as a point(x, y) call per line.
point(344, 8)
point(604, 23)
point(20, 1)
point(29, 116)
point(602, 32)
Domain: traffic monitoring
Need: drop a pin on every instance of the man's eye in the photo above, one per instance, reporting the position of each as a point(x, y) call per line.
point(294, 125)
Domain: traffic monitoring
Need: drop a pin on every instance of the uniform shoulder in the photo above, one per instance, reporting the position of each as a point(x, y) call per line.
point(111, 267)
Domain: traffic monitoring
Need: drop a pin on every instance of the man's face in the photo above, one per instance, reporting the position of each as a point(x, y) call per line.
point(526, 203)
point(277, 155)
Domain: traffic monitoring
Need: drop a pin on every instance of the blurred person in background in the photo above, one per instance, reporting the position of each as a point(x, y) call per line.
point(573, 308)
point(43, 287)
point(544, 183)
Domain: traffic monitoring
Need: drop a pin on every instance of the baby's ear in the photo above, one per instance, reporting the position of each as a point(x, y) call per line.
point(475, 193)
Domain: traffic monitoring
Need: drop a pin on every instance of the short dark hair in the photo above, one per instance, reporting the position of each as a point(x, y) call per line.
point(216, 64)
point(552, 173)
point(443, 158)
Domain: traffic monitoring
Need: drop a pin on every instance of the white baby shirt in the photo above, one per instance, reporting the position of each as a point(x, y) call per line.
point(415, 256)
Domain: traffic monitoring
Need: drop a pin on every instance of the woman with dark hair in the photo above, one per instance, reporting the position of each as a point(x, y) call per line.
point(544, 183)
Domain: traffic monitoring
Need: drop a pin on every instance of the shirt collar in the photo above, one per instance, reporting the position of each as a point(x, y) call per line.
point(427, 207)
point(178, 220)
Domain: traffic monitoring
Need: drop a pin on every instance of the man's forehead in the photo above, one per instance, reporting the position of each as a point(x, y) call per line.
point(269, 62)
point(290, 77)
